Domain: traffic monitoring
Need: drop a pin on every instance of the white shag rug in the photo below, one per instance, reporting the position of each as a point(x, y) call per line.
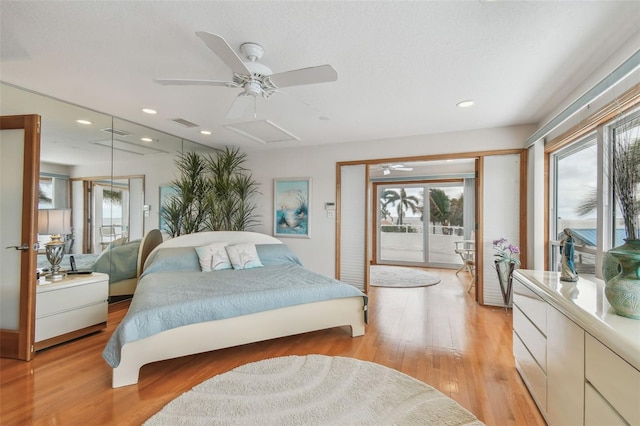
point(399, 276)
point(313, 390)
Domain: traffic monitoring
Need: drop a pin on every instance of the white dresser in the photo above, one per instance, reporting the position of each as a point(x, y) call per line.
point(72, 307)
point(579, 360)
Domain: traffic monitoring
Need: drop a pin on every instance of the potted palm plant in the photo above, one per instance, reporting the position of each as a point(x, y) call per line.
point(213, 193)
point(623, 289)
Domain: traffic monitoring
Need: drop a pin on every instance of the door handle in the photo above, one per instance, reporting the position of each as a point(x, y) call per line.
point(23, 247)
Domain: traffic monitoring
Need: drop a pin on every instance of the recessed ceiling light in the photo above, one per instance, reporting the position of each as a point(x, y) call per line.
point(149, 111)
point(146, 139)
point(205, 132)
point(83, 122)
point(465, 104)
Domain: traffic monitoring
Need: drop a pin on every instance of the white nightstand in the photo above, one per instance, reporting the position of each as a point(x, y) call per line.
point(72, 307)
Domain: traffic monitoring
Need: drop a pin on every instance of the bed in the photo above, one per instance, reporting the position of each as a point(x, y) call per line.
point(189, 301)
point(122, 260)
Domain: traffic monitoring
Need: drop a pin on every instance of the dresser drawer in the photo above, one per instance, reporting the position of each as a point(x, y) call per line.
point(597, 411)
point(533, 339)
point(531, 305)
point(68, 298)
point(66, 322)
point(615, 379)
point(533, 376)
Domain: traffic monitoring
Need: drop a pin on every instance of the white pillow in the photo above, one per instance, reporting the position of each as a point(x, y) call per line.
point(244, 256)
point(213, 257)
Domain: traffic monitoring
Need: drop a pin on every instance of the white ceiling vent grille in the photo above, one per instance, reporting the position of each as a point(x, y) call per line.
point(183, 122)
point(117, 132)
point(131, 148)
point(263, 131)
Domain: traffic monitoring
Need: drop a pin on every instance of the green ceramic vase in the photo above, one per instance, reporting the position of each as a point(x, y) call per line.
point(623, 289)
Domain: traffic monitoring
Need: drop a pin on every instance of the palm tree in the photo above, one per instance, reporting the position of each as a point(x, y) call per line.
point(388, 196)
point(456, 212)
point(588, 204)
point(213, 193)
point(439, 205)
point(404, 202)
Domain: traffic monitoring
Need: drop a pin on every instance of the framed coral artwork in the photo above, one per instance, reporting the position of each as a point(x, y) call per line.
point(291, 207)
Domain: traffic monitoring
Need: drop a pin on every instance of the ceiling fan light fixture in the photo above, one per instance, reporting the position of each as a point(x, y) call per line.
point(253, 88)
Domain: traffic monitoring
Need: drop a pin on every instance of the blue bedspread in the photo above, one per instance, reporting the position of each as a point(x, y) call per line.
point(167, 300)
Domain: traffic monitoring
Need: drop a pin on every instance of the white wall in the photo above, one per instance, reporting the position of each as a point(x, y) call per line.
point(319, 163)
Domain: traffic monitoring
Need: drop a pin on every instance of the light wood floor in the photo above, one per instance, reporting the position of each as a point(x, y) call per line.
point(437, 334)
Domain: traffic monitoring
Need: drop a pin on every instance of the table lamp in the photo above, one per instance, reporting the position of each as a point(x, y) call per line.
point(56, 223)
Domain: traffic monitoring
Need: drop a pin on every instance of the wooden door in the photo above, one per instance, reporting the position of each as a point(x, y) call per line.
point(19, 178)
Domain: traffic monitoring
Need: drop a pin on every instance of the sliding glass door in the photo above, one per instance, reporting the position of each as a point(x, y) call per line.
point(418, 224)
point(400, 224)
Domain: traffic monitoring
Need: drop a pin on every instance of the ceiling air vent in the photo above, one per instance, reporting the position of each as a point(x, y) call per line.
point(183, 122)
point(117, 132)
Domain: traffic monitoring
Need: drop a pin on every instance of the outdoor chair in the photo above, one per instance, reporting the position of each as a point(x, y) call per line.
point(466, 249)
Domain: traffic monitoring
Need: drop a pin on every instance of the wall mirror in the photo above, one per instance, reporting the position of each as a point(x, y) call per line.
point(105, 170)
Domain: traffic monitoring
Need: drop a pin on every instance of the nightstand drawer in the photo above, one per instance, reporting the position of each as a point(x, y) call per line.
point(66, 322)
point(536, 342)
point(531, 305)
point(69, 298)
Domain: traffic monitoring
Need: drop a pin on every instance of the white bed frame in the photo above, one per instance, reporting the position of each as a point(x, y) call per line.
point(212, 335)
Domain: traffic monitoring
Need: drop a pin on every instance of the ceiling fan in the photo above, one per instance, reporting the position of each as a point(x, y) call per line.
point(254, 78)
point(388, 168)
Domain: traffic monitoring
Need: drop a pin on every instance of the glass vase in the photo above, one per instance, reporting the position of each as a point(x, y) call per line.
point(505, 277)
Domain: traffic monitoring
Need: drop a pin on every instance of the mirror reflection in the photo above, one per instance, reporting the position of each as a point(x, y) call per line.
point(104, 170)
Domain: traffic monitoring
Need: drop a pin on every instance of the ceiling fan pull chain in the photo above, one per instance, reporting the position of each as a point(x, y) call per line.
point(255, 107)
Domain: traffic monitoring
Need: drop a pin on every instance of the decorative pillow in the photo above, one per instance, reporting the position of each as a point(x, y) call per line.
point(120, 262)
point(244, 256)
point(118, 242)
point(213, 257)
point(276, 254)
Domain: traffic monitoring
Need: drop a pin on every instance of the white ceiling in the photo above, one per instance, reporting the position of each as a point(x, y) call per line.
point(402, 66)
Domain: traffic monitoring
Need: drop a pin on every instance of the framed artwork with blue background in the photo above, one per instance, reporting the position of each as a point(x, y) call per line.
point(291, 207)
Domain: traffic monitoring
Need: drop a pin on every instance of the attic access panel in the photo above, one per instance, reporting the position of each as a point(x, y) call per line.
point(263, 131)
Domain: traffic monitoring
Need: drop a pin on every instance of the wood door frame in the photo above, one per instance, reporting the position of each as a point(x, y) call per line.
point(19, 343)
point(479, 206)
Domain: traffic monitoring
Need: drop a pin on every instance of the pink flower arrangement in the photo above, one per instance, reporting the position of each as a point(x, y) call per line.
point(506, 252)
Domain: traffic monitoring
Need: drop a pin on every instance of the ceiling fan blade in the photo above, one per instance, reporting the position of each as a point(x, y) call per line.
point(241, 104)
point(191, 82)
point(311, 75)
point(221, 48)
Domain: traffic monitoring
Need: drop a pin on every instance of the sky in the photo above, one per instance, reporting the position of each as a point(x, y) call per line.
point(577, 178)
